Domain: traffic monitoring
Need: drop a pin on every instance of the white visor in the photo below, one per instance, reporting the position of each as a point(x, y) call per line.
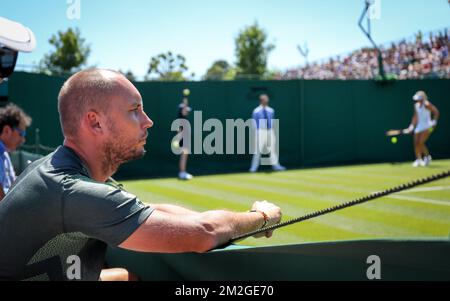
point(417, 97)
point(15, 36)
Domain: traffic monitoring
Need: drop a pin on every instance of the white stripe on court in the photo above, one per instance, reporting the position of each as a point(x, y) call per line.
point(433, 188)
point(419, 200)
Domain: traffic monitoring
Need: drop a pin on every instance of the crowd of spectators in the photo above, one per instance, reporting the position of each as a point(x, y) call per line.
point(421, 57)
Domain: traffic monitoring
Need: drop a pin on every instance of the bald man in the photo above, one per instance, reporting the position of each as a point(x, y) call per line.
point(64, 209)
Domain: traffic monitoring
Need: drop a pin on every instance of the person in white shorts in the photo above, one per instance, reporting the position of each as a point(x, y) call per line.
point(423, 123)
point(183, 111)
point(263, 117)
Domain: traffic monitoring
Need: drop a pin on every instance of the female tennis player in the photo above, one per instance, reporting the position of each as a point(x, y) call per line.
point(422, 124)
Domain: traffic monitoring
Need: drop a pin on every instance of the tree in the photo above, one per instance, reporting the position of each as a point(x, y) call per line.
point(220, 70)
point(168, 67)
point(69, 55)
point(252, 51)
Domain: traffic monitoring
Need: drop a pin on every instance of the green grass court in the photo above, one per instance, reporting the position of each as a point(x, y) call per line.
point(417, 213)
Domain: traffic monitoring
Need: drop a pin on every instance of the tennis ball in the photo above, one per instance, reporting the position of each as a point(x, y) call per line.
point(186, 92)
point(394, 140)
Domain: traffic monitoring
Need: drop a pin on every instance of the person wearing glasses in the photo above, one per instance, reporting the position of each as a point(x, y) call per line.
point(13, 124)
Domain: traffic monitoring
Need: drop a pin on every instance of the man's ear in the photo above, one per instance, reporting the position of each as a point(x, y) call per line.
point(6, 130)
point(93, 121)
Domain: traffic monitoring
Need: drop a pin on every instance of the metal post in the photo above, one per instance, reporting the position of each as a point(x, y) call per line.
point(369, 36)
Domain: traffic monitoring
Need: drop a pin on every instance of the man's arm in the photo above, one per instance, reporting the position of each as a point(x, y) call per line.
point(2, 180)
point(173, 209)
point(254, 121)
point(2, 193)
point(199, 232)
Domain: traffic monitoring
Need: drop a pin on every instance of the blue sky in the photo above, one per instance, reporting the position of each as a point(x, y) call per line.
point(126, 34)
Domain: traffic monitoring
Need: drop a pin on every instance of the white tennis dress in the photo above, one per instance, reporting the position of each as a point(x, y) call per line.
point(423, 118)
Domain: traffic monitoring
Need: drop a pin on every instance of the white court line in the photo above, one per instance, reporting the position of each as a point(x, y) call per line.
point(419, 200)
point(433, 188)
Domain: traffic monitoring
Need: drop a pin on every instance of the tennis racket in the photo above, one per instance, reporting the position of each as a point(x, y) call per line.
point(391, 133)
